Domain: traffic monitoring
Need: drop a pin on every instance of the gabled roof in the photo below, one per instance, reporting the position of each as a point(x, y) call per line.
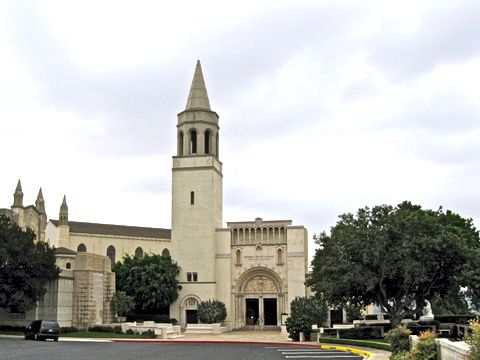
point(64, 251)
point(117, 230)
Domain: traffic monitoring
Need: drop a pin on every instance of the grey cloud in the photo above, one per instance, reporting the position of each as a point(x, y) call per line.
point(447, 33)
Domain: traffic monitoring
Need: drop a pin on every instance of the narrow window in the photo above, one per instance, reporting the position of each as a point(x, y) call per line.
point(138, 252)
point(193, 141)
point(279, 257)
point(82, 248)
point(195, 276)
point(192, 197)
point(165, 253)
point(180, 144)
point(189, 276)
point(216, 146)
point(68, 266)
point(111, 253)
point(207, 142)
point(239, 257)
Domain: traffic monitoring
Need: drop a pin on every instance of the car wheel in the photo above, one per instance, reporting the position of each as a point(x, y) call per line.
point(55, 339)
point(26, 337)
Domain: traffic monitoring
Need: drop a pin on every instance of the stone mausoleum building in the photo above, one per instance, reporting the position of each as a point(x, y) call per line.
point(255, 267)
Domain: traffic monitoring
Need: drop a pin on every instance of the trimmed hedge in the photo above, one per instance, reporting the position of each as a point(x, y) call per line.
point(362, 332)
point(131, 317)
point(364, 343)
point(68, 329)
point(455, 319)
point(12, 328)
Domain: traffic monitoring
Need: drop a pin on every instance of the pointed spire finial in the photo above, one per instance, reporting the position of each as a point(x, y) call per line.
point(198, 97)
point(18, 195)
point(40, 203)
point(63, 217)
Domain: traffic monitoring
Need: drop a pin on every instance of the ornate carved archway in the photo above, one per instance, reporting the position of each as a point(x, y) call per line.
point(189, 302)
point(257, 282)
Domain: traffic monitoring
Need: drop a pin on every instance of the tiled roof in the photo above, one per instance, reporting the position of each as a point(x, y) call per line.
point(64, 251)
point(117, 230)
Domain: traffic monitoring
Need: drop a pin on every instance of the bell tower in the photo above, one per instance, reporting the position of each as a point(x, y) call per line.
point(196, 194)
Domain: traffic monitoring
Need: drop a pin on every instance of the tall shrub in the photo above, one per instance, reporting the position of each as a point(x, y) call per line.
point(399, 338)
point(474, 340)
point(426, 348)
point(212, 311)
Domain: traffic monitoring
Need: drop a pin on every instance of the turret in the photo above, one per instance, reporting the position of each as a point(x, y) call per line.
point(63, 217)
point(40, 202)
point(18, 195)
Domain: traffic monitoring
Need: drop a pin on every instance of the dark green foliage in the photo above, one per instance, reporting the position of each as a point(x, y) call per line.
point(25, 267)
point(129, 332)
point(121, 303)
point(131, 317)
point(353, 312)
point(305, 312)
point(396, 257)
point(402, 355)
point(212, 311)
point(399, 339)
point(152, 281)
point(68, 329)
point(364, 343)
point(117, 329)
point(149, 333)
point(101, 328)
point(363, 332)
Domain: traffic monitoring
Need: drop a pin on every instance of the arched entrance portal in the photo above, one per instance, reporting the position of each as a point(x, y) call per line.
point(188, 310)
point(259, 298)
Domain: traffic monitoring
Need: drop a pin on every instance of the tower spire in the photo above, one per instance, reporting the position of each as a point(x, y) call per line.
point(198, 97)
point(18, 195)
point(40, 202)
point(63, 218)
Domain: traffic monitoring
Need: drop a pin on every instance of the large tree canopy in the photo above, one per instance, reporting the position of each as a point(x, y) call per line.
point(25, 267)
point(396, 257)
point(152, 280)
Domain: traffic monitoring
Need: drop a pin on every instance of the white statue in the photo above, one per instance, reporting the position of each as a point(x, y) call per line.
point(427, 311)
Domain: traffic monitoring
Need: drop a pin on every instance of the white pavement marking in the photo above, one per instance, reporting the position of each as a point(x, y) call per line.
point(310, 352)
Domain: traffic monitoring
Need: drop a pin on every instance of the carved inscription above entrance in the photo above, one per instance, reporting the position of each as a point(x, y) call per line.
point(260, 285)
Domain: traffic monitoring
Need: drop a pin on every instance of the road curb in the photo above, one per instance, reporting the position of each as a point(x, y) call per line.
point(353, 350)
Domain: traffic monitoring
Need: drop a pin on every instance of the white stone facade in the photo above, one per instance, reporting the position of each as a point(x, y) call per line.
point(255, 267)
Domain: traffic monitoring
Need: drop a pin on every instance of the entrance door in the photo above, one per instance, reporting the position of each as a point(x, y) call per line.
point(251, 312)
point(336, 317)
point(192, 317)
point(270, 311)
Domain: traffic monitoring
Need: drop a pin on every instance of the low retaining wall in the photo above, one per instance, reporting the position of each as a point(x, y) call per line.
point(162, 330)
point(205, 329)
point(446, 349)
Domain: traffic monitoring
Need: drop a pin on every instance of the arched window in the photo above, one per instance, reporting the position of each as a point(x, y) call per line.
point(193, 141)
point(180, 143)
point(138, 252)
point(165, 253)
point(216, 145)
point(239, 257)
point(192, 197)
point(68, 266)
point(207, 141)
point(82, 248)
point(111, 253)
point(279, 257)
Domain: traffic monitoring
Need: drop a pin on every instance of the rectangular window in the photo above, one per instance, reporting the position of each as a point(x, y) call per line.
point(195, 277)
point(189, 276)
point(192, 197)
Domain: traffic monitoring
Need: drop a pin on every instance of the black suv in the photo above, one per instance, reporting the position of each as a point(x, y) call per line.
point(42, 330)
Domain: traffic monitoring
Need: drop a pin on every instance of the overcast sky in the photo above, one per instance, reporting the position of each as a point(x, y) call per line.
point(325, 106)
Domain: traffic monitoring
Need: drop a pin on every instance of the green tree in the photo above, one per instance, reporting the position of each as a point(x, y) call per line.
point(305, 312)
point(25, 267)
point(212, 311)
point(152, 281)
point(121, 303)
point(396, 257)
